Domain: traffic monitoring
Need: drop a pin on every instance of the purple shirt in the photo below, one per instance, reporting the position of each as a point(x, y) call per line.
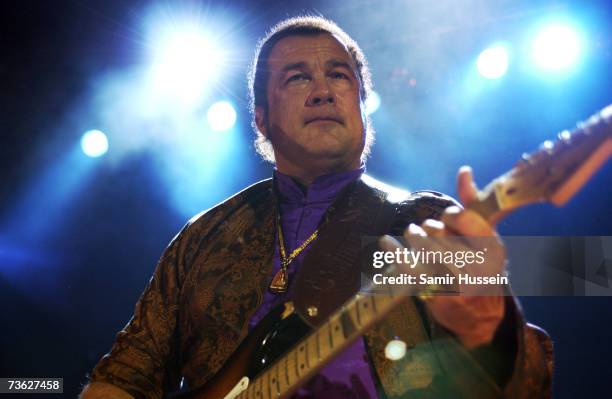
point(301, 209)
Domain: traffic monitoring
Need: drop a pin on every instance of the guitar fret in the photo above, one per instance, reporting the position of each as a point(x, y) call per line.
point(287, 370)
point(306, 357)
point(290, 375)
point(271, 392)
point(373, 304)
point(375, 299)
point(276, 381)
point(311, 351)
point(368, 308)
point(348, 326)
point(329, 335)
point(324, 342)
point(297, 364)
point(357, 304)
point(280, 378)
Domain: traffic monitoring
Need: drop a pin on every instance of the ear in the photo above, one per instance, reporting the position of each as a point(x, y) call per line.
point(260, 120)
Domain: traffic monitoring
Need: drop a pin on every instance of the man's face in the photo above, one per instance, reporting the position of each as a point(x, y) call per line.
point(314, 118)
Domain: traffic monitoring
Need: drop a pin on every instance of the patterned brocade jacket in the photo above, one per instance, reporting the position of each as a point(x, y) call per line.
point(212, 278)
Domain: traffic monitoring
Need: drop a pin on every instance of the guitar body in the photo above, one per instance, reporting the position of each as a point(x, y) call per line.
point(274, 335)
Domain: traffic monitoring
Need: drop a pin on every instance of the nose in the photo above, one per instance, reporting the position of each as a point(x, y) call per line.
point(321, 95)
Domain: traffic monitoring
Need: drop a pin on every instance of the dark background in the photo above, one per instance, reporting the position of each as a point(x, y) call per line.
point(79, 238)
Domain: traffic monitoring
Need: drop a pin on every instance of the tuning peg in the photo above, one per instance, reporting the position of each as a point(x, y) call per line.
point(606, 114)
point(565, 136)
point(547, 146)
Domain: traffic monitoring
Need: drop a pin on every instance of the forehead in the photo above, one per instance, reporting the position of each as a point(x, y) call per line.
point(307, 49)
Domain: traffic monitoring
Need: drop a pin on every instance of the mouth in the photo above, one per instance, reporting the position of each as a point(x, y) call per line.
point(324, 119)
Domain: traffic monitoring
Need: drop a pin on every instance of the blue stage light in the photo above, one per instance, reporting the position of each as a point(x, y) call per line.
point(556, 47)
point(221, 116)
point(492, 62)
point(372, 103)
point(94, 143)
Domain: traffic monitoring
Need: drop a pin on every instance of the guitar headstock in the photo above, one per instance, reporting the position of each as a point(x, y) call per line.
point(553, 173)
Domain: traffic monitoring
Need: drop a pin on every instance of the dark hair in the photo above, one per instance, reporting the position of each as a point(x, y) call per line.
point(259, 73)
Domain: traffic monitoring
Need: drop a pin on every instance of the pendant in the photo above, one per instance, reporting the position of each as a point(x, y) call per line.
point(280, 282)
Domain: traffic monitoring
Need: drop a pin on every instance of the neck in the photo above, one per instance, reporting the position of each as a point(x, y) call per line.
point(306, 175)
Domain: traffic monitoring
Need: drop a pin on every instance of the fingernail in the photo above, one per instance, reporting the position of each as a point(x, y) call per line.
point(433, 223)
point(452, 210)
point(465, 169)
point(416, 230)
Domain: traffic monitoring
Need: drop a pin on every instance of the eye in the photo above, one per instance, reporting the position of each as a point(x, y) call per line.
point(297, 77)
point(339, 75)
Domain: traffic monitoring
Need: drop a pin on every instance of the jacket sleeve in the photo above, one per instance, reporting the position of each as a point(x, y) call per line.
point(143, 358)
point(518, 363)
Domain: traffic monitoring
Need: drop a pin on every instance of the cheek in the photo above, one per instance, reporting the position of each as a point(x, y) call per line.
point(289, 106)
point(355, 111)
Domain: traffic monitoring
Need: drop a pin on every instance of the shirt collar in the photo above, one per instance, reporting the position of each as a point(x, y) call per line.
point(323, 189)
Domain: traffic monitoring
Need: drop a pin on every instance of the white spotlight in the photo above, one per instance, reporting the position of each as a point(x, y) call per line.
point(492, 63)
point(372, 103)
point(184, 63)
point(556, 47)
point(395, 349)
point(94, 143)
point(221, 116)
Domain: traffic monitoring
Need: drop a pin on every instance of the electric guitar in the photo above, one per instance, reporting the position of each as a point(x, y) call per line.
point(283, 351)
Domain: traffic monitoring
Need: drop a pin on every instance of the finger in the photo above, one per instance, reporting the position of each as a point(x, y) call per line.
point(466, 187)
point(418, 239)
point(466, 222)
point(414, 236)
point(433, 228)
point(414, 230)
point(432, 235)
point(388, 243)
point(478, 235)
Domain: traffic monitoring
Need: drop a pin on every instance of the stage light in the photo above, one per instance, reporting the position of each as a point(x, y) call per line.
point(492, 62)
point(94, 143)
point(184, 63)
point(395, 349)
point(556, 47)
point(372, 103)
point(221, 116)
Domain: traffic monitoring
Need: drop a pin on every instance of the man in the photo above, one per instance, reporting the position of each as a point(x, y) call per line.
point(298, 237)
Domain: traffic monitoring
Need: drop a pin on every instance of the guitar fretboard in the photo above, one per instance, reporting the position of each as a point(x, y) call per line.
point(312, 353)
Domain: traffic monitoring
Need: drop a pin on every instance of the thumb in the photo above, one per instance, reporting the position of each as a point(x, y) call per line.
point(466, 188)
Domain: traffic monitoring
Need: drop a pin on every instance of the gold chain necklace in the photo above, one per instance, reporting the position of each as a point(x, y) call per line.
point(280, 282)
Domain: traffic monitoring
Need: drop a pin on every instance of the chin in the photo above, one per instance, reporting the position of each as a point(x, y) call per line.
point(333, 156)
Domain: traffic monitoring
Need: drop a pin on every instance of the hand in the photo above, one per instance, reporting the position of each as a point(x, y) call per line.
point(473, 319)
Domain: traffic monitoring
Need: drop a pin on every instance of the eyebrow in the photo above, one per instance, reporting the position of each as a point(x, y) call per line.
point(339, 63)
point(333, 63)
point(294, 65)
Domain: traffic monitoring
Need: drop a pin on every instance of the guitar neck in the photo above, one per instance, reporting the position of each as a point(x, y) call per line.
point(552, 174)
point(303, 361)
